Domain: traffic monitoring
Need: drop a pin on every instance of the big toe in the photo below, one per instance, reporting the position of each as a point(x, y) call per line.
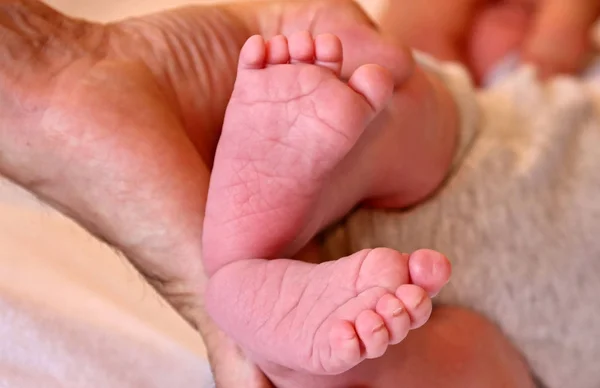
point(429, 270)
point(375, 84)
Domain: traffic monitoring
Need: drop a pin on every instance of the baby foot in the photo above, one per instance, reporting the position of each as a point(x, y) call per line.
point(290, 124)
point(326, 318)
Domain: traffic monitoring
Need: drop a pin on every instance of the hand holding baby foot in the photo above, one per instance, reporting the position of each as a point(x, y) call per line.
point(289, 130)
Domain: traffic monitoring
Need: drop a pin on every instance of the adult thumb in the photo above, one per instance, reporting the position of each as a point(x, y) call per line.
point(560, 40)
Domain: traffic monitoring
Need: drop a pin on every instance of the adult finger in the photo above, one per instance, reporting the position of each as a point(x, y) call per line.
point(498, 30)
point(560, 39)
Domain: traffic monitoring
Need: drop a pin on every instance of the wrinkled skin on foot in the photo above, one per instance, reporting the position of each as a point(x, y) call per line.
point(115, 125)
point(289, 125)
point(289, 134)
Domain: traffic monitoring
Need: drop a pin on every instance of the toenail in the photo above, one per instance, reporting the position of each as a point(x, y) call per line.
point(379, 327)
point(398, 312)
point(420, 301)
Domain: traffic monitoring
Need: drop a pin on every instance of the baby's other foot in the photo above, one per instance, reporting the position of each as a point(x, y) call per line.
point(290, 123)
point(327, 318)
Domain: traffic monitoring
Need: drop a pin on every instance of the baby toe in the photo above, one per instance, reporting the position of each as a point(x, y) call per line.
point(278, 52)
point(373, 333)
point(429, 270)
point(328, 52)
point(375, 84)
point(302, 47)
point(395, 317)
point(417, 302)
point(345, 347)
point(253, 54)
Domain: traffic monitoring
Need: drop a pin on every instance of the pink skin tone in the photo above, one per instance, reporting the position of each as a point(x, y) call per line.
point(294, 134)
point(177, 106)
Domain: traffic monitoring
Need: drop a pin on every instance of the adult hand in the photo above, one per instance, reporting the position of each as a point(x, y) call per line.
point(552, 34)
point(116, 126)
point(560, 37)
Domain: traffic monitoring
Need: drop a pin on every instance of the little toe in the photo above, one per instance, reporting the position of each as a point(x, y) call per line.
point(395, 317)
point(253, 54)
point(278, 52)
point(430, 270)
point(417, 303)
point(375, 84)
point(302, 47)
point(345, 345)
point(373, 333)
point(329, 53)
